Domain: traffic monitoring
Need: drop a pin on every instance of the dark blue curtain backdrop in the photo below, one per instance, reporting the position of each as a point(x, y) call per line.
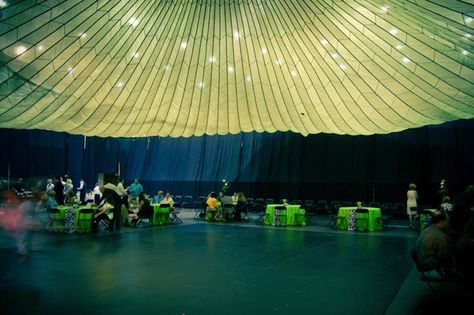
point(264, 165)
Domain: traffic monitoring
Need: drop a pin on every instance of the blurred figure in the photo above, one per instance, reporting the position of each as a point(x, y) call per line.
point(211, 210)
point(82, 190)
point(59, 190)
point(145, 210)
point(110, 194)
point(134, 190)
point(446, 206)
point(168, 200)
point(443, 189)
point(158, 197)
point(68, 187)
point(412, 197)
point(49, 185)
point(97, 194)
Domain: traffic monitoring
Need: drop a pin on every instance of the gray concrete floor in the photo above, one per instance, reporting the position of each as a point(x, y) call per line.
point(220, 268)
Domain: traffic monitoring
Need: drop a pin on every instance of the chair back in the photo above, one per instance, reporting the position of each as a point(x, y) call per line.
point(362, 210)
point(86, 211)
point(164, 205)
point(280, 208)
point(52, 211)
point(297, 202)
point(177, 198)
point(269, 201)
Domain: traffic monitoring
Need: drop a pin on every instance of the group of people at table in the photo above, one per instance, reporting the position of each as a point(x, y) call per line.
point(114, 206)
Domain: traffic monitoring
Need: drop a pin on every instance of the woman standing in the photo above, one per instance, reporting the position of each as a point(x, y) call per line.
point(412, 197)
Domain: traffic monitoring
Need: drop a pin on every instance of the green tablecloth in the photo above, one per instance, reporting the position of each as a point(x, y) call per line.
point(161, 215)
point(374, 216)
point(86, 219)
point(291, 215)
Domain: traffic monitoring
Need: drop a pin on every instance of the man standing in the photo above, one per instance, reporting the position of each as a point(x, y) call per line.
point(134, 190)
point(109, 193)
point(82, 190)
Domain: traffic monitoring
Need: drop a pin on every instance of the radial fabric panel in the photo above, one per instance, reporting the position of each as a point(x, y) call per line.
point(181, 68)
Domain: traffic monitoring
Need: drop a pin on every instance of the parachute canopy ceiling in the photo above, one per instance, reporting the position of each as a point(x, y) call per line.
point(182, 68)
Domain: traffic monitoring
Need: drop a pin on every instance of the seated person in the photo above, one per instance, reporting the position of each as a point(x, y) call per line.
point(434, 246)
point(158, 198)
point(168, 200)
point(211, 203)
point(102, 215)
point(241, 206)
point(145, 209)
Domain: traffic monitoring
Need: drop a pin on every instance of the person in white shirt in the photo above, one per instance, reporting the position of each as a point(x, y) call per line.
point(82, 190)
point(49, 185)
point(97, 194)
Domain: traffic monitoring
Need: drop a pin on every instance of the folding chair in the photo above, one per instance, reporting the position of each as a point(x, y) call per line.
point(84, 220)
point(362, 219)
point(174, 214)
point(228, 211)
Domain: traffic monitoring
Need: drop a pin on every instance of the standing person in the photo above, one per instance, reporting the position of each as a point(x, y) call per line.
point(443, 189)
point(82, 190)
point(49, 185)
point(134, 190)
point(97, 194)
point(110, 194)
point(122, 193)
point(412, 197)
point(59, 190)
point(68, 187)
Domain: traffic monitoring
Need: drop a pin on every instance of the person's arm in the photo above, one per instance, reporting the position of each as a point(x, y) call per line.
point(104, 209)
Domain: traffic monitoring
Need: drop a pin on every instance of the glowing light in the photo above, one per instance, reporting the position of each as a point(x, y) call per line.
point(279, 62)
point(264, 51)
point(70, 69)
point(465, 52)
point(120, 84)
point(406, 59)
point(324, 42)
point(135, 54)
point(133, 21)
point(184, 45)
point(20, 49)
point(342, 66)
point(399, 47)
point(201, 85)
point(236, 35)
point(82, 35)
point(3, 3)
point(212, 59)
point(293, 73)
point(231, 69)
point(467, 35)
point(248, 78)
point(384, 9)
point(393, 31)
point(166, 67)
point(39, 47)
point(334, 55)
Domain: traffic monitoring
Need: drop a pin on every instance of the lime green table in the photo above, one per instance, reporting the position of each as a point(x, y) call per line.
point(374, 218)
point(161, 215)
point(294, 215)
point(82, 220)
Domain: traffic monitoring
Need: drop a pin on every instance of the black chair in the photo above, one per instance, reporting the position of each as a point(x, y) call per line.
point(269, 201)
point(260, 211)
point(362, 219)
point(187, 202)
point(178, 199)
point(174, 211)
point(297, 202)
point(84, 220)
point(302, 215)
point(55, 219)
